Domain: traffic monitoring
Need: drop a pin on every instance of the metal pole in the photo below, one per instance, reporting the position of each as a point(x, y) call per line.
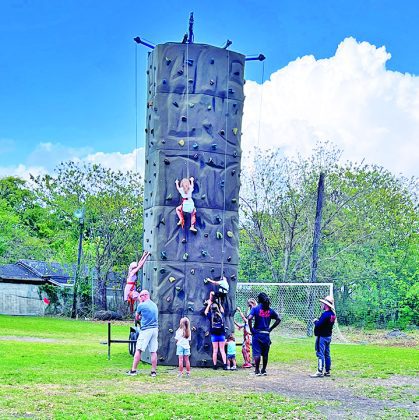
point(109, 341)
point(76, 279)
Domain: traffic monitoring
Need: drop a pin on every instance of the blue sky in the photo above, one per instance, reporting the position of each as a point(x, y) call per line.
point(67, 67)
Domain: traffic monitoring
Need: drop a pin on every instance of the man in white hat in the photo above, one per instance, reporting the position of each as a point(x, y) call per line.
point(323, 332)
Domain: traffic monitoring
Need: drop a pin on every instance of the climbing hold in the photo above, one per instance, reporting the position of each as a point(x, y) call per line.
point(183, 118)
point(191, 105)
point(210, 160)
point(163, 141)
point(146, 130)
point(195, 146)
point(235, 131)
point(185, 256)
point(234, 200)
point(211, 82)
point(163, 221)
point(208, 127)
point(162, 359)
point(206, 333)
point(218, 219)
point(231, 91)
point(172, 279)
point(162, 270)
point(152, 131)
point(178, 288)
point(230, 234)
point(228, 258)
point(222, 183)
point(154, 174)
point(219, 235)
point(203, 196)
point(164, 81)
point(166, 161)
point(163, 255)
point(206, 235)
point(168, 299)
point(180, 72)
point(236, 73)
point(192, 271)
point(222, 132)
point(212, 61)
point(168, 60)
point(175, 104)
point(190, 62)
point(171, 330)
point(169, 197)
point(233, 277)
point(205, 281)
point(213, 146)
point(212, 269)
point(209, 107)
point(184, 240)
point(191, 308)
point(155, 268)
point(195, 156)
point(235, 153)
point(204, 253)
point(194, 328)
point(149, 104)
point(233, 172)
point(181, 142)
point(190, 80)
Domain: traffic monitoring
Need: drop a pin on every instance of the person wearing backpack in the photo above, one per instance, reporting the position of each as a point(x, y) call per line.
point(214, 312)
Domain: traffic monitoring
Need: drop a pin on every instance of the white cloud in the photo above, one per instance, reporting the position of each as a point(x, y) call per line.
point(350, 99)
point(47, 156)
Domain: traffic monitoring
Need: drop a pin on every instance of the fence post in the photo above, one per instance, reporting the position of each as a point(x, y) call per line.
point(109, 340)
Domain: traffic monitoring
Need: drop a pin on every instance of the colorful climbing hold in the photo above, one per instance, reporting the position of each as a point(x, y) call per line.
point(235, 131)
point(171, 330)
point(169, 197)
point(214, 146)
point(183, 118)
point(234, 200)
point(185, 256)
point(172, 279)
point(175, 104)
point(219, 235)
point(204, 253)
point(163, 255)
point(166, 161)
point(203, 196)
point(195, 146)
point(192, 271)
point(230, 234)
point(181, 142)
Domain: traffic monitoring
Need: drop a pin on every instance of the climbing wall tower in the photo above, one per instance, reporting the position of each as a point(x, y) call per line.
point(193, 128)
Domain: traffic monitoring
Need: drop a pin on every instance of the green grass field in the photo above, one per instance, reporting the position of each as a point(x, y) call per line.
point(57, 368)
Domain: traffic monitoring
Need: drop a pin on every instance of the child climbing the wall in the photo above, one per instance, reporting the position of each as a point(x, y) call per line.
point(247, 336)
point(130, 291)
point(183, 346)
point(323, 332)
point(231, 352)
point(185, 188)
point(222, 288)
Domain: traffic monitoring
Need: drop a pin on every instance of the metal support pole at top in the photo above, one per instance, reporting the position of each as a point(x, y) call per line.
point(190, 36)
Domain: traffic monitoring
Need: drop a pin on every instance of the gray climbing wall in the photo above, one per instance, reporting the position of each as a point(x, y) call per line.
point(194, 113)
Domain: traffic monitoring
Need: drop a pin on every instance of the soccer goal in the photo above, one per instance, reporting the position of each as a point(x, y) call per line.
point(296, 303)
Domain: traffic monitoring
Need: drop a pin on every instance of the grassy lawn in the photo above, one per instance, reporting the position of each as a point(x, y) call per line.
point(63, 371)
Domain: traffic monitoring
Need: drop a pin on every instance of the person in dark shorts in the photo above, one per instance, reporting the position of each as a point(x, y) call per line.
point(262, 314)
point(215, 313)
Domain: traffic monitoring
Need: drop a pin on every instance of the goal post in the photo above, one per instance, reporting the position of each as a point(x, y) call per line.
point(296, 303)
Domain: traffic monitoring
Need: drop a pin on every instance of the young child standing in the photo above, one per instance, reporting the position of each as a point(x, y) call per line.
point(185, 189)
point(323, 332)
point(247, 336)
point(183, 346)
point(231, 352)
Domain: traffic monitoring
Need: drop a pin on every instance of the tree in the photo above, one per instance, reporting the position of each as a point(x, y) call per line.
point(113, 214)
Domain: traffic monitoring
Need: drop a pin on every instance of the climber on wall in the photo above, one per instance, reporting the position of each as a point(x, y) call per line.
point(185, 188)
point(222, 288)
point(130, 291)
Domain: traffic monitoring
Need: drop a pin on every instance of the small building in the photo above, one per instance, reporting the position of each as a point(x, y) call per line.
point(20, 292)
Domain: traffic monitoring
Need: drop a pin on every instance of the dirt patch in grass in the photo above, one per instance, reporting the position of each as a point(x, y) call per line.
point(337, 397)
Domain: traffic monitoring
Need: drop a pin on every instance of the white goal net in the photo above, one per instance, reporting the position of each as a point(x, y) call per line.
point(296, 303)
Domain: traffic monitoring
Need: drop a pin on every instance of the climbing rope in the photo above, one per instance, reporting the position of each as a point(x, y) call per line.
point(261, 100)
point(187, 106)
point(225, 162)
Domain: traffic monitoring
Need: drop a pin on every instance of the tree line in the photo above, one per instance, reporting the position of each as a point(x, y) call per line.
point(367, 234)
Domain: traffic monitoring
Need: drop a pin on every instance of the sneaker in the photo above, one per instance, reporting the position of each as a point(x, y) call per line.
point(193, 229)
point(225, 367)
point(263, 373)
point(327, 373)
point(132, 373)
point(228, 368)
point(317, 375)
point(247, 365)
point(188, 374)
point(233, 368)
point(153, 374)
point(179, 223)
point(257, 373)
point(215, 367)
point(179, 374)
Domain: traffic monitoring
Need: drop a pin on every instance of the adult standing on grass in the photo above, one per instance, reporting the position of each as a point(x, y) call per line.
point(214, 312)
point(262, 314)
point(148, 315)
point(323, 331)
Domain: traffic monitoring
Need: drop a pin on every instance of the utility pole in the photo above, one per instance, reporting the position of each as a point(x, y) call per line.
point(79, 214)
